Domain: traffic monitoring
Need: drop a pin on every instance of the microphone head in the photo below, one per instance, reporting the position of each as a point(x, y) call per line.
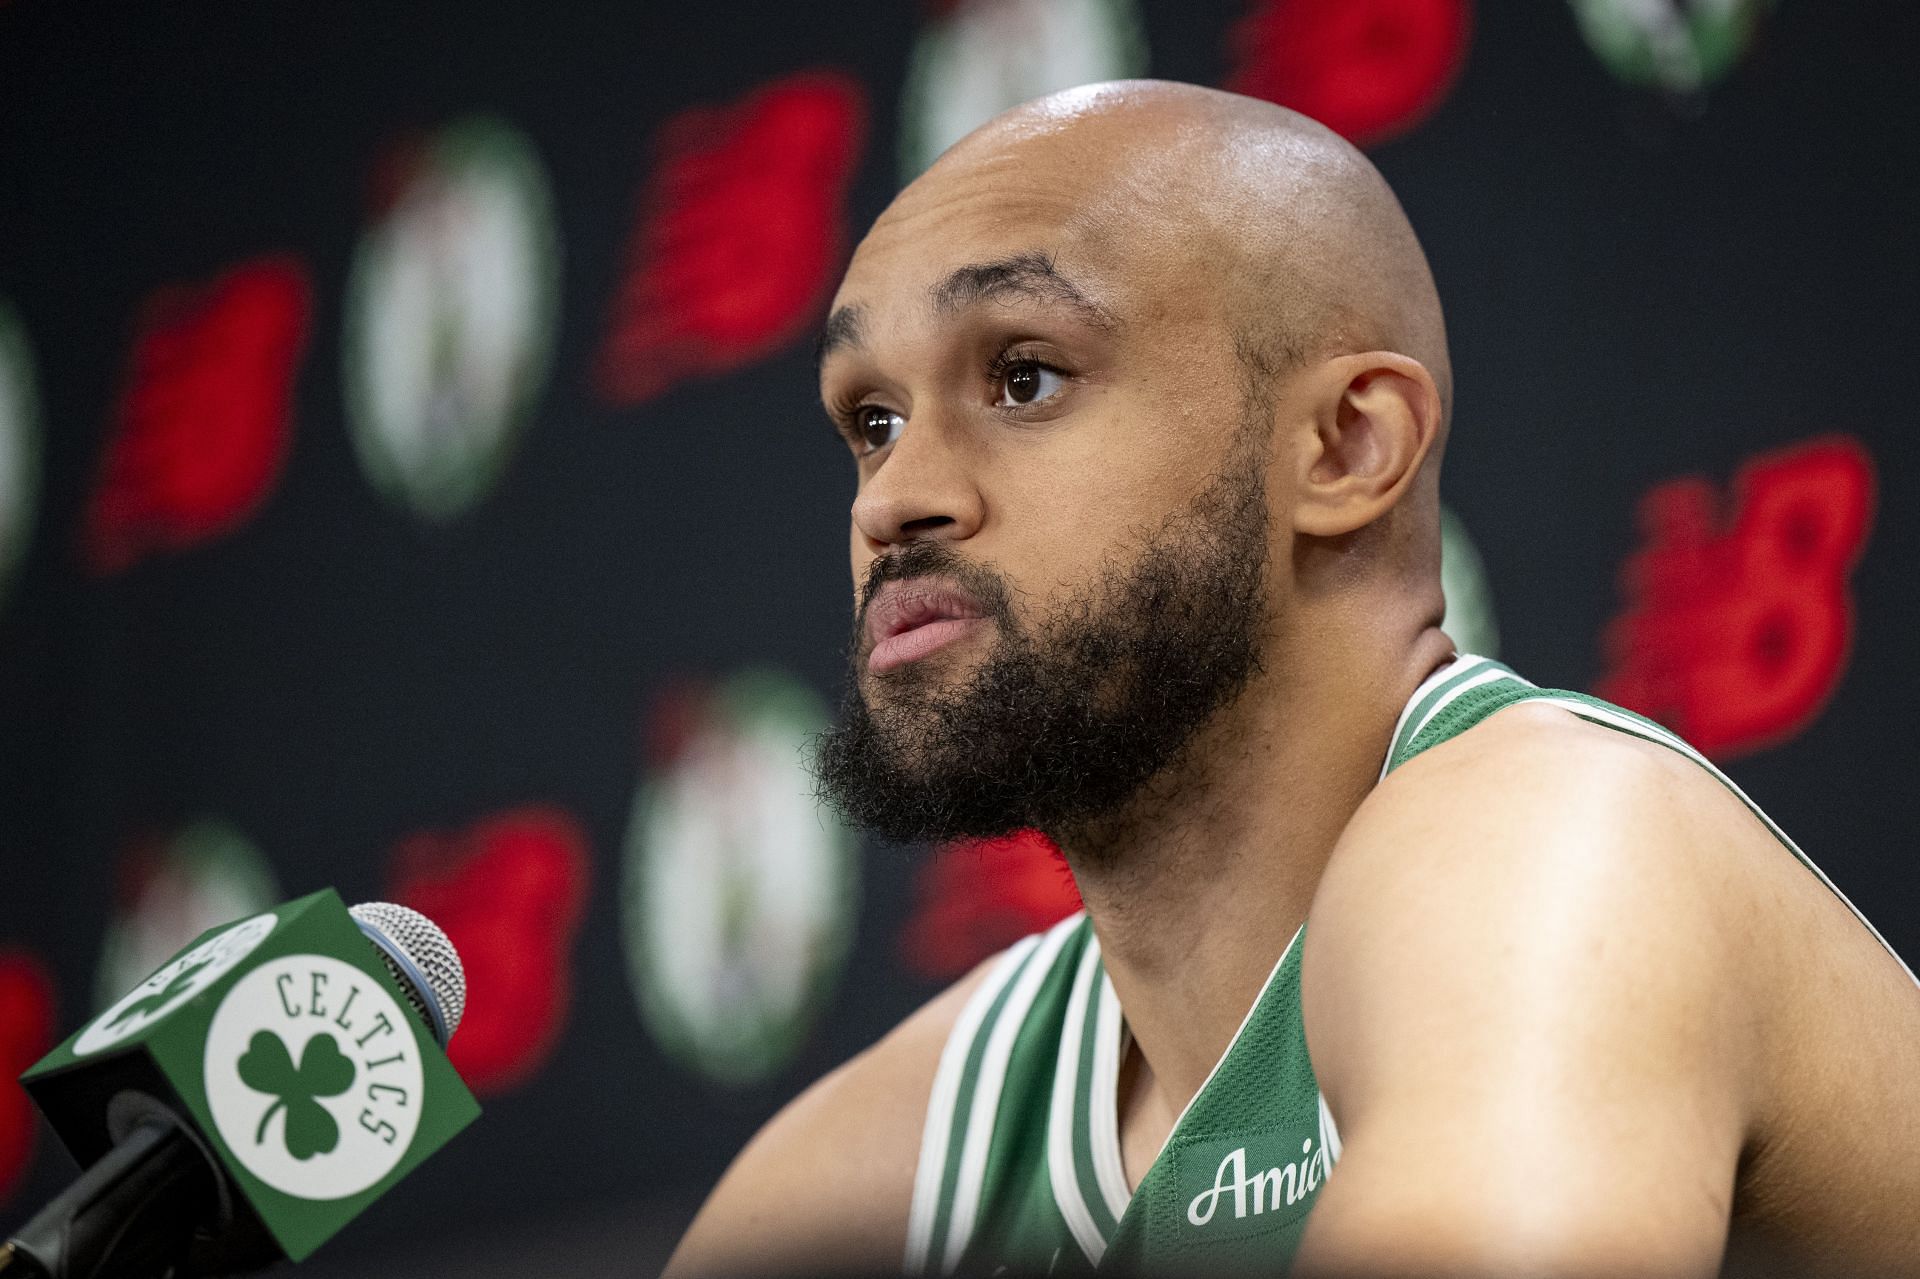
point(421, 959)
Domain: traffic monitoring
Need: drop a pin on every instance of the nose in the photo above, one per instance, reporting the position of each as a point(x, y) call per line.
point(923, 488)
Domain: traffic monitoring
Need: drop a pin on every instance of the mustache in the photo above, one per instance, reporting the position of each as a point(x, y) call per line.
point(935, 559)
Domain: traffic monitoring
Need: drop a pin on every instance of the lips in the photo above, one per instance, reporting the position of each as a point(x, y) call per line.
point(909, 620)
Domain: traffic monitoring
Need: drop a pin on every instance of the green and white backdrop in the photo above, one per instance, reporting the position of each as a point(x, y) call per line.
point(410, 482)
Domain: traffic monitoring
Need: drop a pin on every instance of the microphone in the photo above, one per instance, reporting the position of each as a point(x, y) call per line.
point(252, 1096)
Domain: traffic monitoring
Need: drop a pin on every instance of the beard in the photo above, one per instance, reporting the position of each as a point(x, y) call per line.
point(1063, 724)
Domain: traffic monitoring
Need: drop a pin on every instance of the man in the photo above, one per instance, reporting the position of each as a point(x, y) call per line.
point(1146, 387)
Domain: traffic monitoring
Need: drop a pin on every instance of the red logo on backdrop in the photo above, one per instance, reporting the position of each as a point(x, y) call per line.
point(740, 236)
point(26, 1032)
point(205, 421)
point(509, 892)
point(1367, 69)
point(980, 896)
point(1739, 616)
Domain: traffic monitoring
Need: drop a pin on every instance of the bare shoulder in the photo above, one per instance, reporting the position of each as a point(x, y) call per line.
point(1526, 944)
point(1539, 818)
point(1580, 949)
point(826, 1185)
point(1536, 800)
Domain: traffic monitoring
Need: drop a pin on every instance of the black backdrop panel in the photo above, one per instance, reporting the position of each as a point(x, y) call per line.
point(1642, 285)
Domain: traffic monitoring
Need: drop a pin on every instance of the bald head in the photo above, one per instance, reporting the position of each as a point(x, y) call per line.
point(1306, 243)
point(1044, 351)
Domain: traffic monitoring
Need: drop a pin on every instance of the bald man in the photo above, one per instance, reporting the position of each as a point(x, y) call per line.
point(1145, 387)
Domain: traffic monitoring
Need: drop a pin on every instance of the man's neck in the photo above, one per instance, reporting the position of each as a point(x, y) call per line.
point(1196, 888)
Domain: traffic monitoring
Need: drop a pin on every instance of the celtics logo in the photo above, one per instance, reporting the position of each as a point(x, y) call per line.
point(988, 55)
point(172, 890)
point(19, 443)
point(739, 886)
point(308, 1129)
point(450, 317)
point(314, 1077)
point(1681, 46)
point(174, 984)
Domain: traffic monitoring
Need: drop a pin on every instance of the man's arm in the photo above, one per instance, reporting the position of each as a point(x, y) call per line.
point(1531, 985)
point(825, 1187)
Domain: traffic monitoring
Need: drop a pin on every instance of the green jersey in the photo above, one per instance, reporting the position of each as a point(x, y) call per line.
point(1020, 1167)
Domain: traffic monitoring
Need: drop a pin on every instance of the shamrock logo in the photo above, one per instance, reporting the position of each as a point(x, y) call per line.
point(267, 1067)
point(159, 999)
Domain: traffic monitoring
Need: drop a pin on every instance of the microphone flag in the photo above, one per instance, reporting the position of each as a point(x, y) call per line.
point(291, 1056)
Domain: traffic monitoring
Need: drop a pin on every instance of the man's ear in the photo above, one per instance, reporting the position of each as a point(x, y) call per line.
point(1374, 422)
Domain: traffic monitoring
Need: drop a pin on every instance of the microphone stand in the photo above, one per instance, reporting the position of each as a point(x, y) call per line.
point(131, 1215)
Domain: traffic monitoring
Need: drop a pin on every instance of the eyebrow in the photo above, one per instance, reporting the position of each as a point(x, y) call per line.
point(845, 327)
point(1030, 275)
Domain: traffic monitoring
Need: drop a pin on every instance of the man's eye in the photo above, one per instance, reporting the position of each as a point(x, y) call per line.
point(1028, 382)
point(875, 427)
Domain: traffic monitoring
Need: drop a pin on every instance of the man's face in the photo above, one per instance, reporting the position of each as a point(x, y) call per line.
point(1060, 535)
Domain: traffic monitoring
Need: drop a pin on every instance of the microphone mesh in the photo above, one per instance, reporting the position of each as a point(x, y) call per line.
point(421, 940)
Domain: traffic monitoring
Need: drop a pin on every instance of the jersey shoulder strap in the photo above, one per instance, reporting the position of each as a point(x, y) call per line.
point(1468, 690)
point(990, 1093)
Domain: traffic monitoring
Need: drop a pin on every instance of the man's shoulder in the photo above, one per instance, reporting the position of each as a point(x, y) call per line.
point(827, 1184)
point(1514, 949)
point(1533, 862)
point(1537, 812)
point(1572, 945)
point(1543, 733)
point(1536, 789)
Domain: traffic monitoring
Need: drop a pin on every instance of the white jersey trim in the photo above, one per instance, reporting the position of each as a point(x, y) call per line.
point(1427, 685)
point(1329, 1134)
point(1454, 694)
point(1060, 1170)
point(986, 1091)
point(946, 1092)
point(1232, 1043)
point(1103, 1125)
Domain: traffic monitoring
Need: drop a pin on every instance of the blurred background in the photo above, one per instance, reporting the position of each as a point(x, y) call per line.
point(411, 481)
